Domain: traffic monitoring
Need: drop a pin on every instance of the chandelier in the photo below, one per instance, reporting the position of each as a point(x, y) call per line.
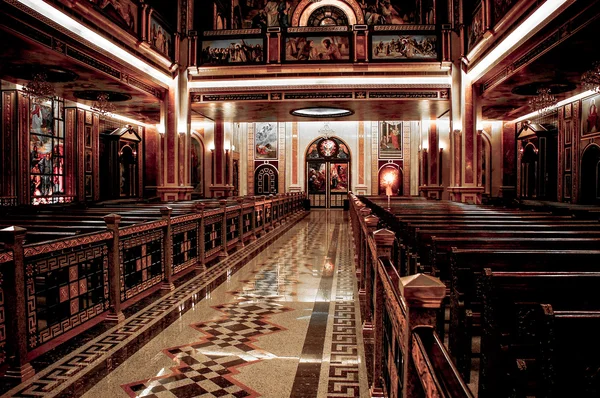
point(591, 78)
point(39, 89)
point(102, 105)
point(326, 131)
point(544, 102)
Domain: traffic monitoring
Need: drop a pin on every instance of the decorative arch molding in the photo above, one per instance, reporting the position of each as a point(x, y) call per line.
point(305, 8)
point(200, 166)
point(398, 186)
point(590, 174)
point(266, 177)
point(486, 165)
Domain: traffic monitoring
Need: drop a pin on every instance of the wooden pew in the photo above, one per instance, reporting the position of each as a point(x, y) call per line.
point(467, 267)
point(509, 330)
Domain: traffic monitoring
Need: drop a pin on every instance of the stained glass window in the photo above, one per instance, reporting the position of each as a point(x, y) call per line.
point(47, 153)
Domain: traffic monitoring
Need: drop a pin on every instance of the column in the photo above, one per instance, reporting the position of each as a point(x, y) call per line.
point(221, 186)
point(174, 181)
point(15, 305)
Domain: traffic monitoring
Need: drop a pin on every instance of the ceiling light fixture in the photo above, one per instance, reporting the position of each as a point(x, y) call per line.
point(321, 112)
point(544, 102)
point(103, 106)
point(591, 78)
point(39, 89)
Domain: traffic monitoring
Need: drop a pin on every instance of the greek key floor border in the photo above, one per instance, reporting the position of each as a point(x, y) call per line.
point(75, 373)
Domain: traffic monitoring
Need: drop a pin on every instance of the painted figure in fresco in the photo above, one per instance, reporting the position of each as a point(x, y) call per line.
point(343, 152)
point(331, 50)
point(395, 133)
point(592, 119)
point(334, 177)
point(259, 20)
point(307, 52)
point(313, 153)
point(45, 167)
point(272, 12)
point(283, 10)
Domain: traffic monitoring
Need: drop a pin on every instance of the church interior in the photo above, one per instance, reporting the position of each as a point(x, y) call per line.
point(299, 198)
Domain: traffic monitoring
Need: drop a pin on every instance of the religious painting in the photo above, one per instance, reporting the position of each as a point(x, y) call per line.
point(41, 118)
point(389, 176)
point(568, 159)
point(390, 140)
point(262, 13)
point(122, 12)
point(590, 123)
point(404, 46)
point(265, 140)
point(395, 12)
point(475, 29)
point(88, 117)
point(233, 51)
point(328, 148)
point(160, 38)
point(338, 177)
point(316, 177)
point(87, 136)
point(332, 48)
point(46, 160)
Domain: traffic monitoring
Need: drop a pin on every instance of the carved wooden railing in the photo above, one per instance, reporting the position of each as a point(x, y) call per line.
point(50, 288)
point(399, 318)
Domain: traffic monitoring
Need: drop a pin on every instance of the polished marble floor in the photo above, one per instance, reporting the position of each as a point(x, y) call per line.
point(285, 325)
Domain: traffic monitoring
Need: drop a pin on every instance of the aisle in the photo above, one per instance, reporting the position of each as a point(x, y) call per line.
point(286, 324)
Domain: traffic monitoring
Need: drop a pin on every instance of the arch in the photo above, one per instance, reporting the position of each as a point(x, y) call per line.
point(327, 163)
point(328, 16)
point(590, 175)
point(266, 180)
point(529, 174)
point(312, 151)
point(197, 163)
point(398, 186)
point(305, 8)
point(486, 163)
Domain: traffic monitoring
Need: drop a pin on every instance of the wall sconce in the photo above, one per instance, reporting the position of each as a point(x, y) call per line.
point(160, 128)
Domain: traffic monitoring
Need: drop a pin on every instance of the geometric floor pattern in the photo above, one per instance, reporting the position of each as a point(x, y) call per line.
point(201, 373)
point(344, 359)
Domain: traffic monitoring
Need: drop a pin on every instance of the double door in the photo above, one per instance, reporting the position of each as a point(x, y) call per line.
point(328, 183)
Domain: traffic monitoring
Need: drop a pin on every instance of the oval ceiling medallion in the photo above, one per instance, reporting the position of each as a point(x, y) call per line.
point(321, 112)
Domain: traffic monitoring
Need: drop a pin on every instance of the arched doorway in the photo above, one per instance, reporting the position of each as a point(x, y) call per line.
point(529, 174)
point(197, 166)
point(590, 175)
point(397, 174)
point(327, 172)
point(265, 180)
point(120, 164)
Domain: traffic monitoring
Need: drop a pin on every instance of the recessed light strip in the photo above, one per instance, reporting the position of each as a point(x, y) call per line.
point(94, 38)
point(574, 98)
point(530, 26)
point(317, 82)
